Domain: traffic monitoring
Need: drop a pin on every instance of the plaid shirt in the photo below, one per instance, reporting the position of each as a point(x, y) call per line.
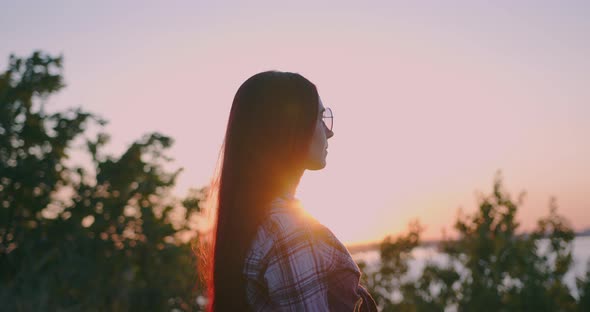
point(297, 264)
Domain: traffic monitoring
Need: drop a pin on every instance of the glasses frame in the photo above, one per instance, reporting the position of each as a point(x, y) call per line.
point(327, 114)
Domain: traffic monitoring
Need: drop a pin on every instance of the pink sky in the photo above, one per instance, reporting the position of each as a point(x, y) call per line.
point(429, 100)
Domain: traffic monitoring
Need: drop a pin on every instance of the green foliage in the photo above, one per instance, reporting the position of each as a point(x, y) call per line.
point(394, 265)
point(101, 237)
point(490, 267)
point(584, 291)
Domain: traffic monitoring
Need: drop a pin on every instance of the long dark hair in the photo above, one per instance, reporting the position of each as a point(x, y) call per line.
point(271, 123)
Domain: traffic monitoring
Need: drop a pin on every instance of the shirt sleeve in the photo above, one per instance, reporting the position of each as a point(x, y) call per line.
point(297, 271)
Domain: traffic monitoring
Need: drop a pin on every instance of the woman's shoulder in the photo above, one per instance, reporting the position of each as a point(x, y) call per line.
point(285, 229)
point(290, 227)
point(286, 219)
point(287, 216)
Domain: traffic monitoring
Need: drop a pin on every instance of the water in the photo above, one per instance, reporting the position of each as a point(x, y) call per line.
point(422, 255)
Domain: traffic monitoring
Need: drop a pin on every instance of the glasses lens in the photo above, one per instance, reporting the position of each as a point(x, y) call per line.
point(328, 118)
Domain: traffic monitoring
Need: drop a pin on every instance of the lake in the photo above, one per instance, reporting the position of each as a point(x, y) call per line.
point(422, 255)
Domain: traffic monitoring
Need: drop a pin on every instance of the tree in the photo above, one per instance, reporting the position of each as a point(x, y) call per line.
point(491, 266)
point(507, 271)
point(84, 238)
point(583, 284)
point(387, 281)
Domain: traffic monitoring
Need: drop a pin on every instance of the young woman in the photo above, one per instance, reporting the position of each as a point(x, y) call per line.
point(266, 253)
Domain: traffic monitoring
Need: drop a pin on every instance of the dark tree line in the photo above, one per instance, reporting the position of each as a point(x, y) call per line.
point(84, 238)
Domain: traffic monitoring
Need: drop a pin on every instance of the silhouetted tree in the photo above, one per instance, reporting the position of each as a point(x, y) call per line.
point(95, 237)
point(583, 285)
point(491, 267)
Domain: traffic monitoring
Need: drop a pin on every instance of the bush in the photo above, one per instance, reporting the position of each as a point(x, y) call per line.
point(491, 267)
point(93, 238)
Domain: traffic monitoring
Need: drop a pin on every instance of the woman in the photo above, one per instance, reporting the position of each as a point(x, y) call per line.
point(267, 255)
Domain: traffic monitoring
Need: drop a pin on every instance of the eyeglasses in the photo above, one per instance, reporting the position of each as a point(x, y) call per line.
point(328, 118)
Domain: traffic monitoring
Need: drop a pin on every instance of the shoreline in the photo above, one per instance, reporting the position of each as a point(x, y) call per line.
point(356, 248)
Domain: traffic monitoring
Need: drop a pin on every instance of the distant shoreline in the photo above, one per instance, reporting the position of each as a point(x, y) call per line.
point(356, 248)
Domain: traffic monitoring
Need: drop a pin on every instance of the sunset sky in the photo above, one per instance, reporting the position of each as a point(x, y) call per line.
point(430, 98)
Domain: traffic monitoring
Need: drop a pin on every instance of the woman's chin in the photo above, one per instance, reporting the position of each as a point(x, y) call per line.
point(317, 165)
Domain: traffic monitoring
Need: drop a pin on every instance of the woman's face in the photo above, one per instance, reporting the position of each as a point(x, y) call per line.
point(318, 149)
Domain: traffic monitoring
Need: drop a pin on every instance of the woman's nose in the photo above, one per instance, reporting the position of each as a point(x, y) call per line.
point(329, 133)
